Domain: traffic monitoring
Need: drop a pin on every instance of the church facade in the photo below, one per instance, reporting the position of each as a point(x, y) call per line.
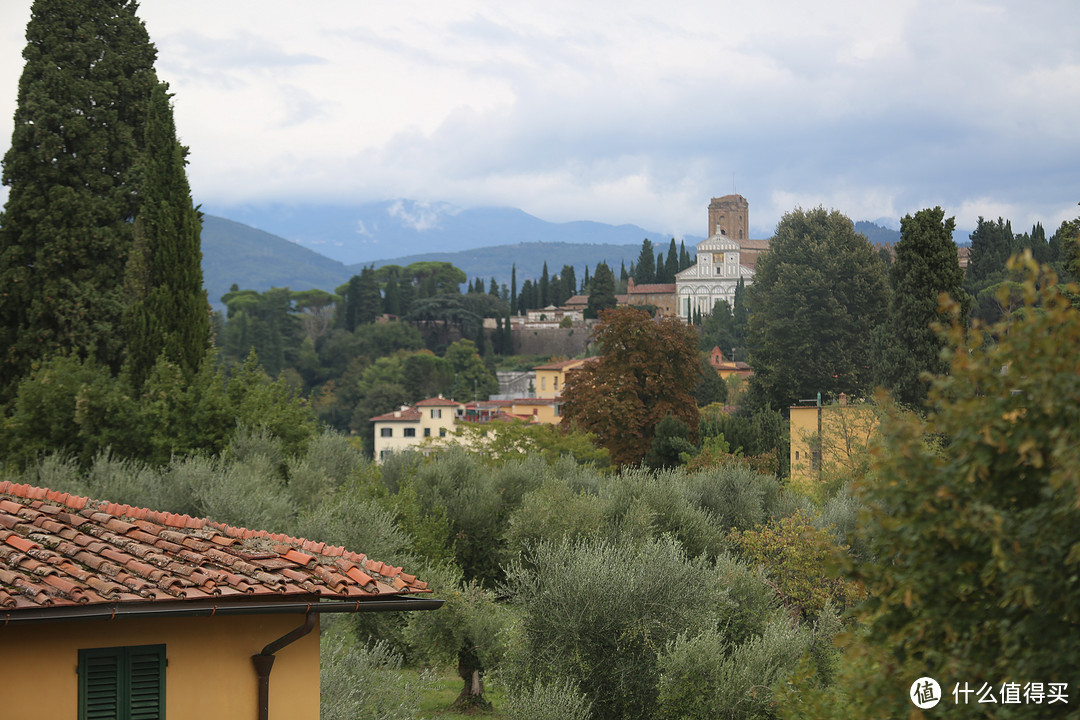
point(719, 260)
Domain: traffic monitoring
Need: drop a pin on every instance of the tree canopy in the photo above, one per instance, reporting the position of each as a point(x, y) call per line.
point(818, 294)
point(647, 369)
point(926, 266)
point(71, 169)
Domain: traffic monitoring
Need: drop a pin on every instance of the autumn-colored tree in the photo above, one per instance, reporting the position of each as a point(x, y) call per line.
point(647, 369)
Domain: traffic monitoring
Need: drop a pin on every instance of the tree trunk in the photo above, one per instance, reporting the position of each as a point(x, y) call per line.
point(472, 692)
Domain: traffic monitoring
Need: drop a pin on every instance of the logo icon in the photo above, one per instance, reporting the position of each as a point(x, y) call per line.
point(925, 693)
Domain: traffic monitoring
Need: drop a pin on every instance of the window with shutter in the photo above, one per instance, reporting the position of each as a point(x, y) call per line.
point(122, 683)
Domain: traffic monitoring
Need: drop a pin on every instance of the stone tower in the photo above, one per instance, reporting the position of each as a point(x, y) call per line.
point(729, 216)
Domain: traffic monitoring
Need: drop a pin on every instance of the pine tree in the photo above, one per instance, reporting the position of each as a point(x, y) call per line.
point(67, 226)
point(168, 313)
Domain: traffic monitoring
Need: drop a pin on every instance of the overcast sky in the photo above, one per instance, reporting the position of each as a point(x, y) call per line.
point(623, 112)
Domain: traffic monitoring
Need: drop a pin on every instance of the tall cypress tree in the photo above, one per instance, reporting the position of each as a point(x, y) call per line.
point(67, 226)
point(926, 266)
point(645, 270)
point(671, 265)
point(684, 257)
point(543, 294)
point(513, 286)
point(168, 313)
point(602, 295)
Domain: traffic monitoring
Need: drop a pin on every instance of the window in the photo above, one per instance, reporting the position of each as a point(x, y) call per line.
point(122, 682)
point(543, 383)
point(410, 432)
point(556, 383)
point(442, 432)
point(386, 432)
point(436, 414)
point(427, 432)
point(383, 454)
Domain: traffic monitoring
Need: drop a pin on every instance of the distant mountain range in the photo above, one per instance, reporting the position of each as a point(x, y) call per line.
point(331, 244)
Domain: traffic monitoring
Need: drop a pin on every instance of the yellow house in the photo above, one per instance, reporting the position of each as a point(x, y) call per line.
point(408, 427)
point(551, 378)
point(111, 611)
point(831, 437)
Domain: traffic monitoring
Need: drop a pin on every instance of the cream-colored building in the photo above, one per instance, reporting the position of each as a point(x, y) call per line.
point(407, 427)
point(718, 268)
point(551, 378)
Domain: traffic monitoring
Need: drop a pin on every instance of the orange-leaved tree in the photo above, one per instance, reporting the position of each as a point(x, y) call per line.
point(647, 368)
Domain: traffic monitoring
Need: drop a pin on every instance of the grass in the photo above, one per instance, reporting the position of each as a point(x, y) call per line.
point(435, 703)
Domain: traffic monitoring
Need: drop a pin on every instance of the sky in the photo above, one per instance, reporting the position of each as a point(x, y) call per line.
point(623, 112)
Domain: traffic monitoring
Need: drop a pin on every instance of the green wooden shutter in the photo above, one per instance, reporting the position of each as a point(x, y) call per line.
point(99, 684)
point(122, 683)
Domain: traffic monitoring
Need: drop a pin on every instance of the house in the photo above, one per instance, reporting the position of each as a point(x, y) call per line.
point(533, 410)
point(551, 378)
point(726, 368)
point(407, 427)
point(111, 611)
point(829, 437)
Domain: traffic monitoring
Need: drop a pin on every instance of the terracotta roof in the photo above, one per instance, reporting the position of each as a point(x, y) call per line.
point(576, 300)
point(61, 550)
point(437, 401)
point(409, 415)
point(559, 365)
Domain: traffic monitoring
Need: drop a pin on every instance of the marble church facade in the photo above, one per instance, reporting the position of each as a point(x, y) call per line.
point(719, 259)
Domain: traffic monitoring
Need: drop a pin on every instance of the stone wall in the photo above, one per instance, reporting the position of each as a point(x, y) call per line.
point(551, 341)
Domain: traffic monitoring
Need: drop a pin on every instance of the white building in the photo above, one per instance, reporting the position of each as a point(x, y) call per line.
point(408, 427)
point(719, 260)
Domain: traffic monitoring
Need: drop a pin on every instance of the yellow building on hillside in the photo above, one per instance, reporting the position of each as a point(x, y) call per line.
point(830, 438)
point(551, 378)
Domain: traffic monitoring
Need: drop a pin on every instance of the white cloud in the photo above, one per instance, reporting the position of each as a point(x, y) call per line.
point(622, 112)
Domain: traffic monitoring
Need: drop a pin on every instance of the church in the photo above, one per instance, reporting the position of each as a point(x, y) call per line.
point(719, 264)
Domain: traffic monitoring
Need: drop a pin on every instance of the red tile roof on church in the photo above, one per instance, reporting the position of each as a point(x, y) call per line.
point(61, 550)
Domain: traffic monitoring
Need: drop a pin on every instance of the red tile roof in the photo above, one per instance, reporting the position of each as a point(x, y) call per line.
point(408, 415)
point(61, 550)
point(561, 364)
point(437, 402)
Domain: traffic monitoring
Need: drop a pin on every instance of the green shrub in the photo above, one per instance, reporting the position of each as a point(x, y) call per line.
point(598, 613)
point(549, 701)
point(705, 677)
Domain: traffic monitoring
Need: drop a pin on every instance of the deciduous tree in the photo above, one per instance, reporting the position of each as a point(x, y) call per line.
point(647, 369)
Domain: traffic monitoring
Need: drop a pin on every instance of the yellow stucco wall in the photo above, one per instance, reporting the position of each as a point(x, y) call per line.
point(545, 412)
point(209, 673)
point(846, 432)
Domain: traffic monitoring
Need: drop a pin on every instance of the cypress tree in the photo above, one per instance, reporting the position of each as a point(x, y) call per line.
point(67, 225)
point(645, 270)
point(661, 269)
point(671, 265)
point(602, 295)
point(168, 313)
point(684, 257)
point(544, 290)
point(513, 286)
point(392, 300)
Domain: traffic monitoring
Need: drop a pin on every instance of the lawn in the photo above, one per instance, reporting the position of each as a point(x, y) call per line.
point(435, 703)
